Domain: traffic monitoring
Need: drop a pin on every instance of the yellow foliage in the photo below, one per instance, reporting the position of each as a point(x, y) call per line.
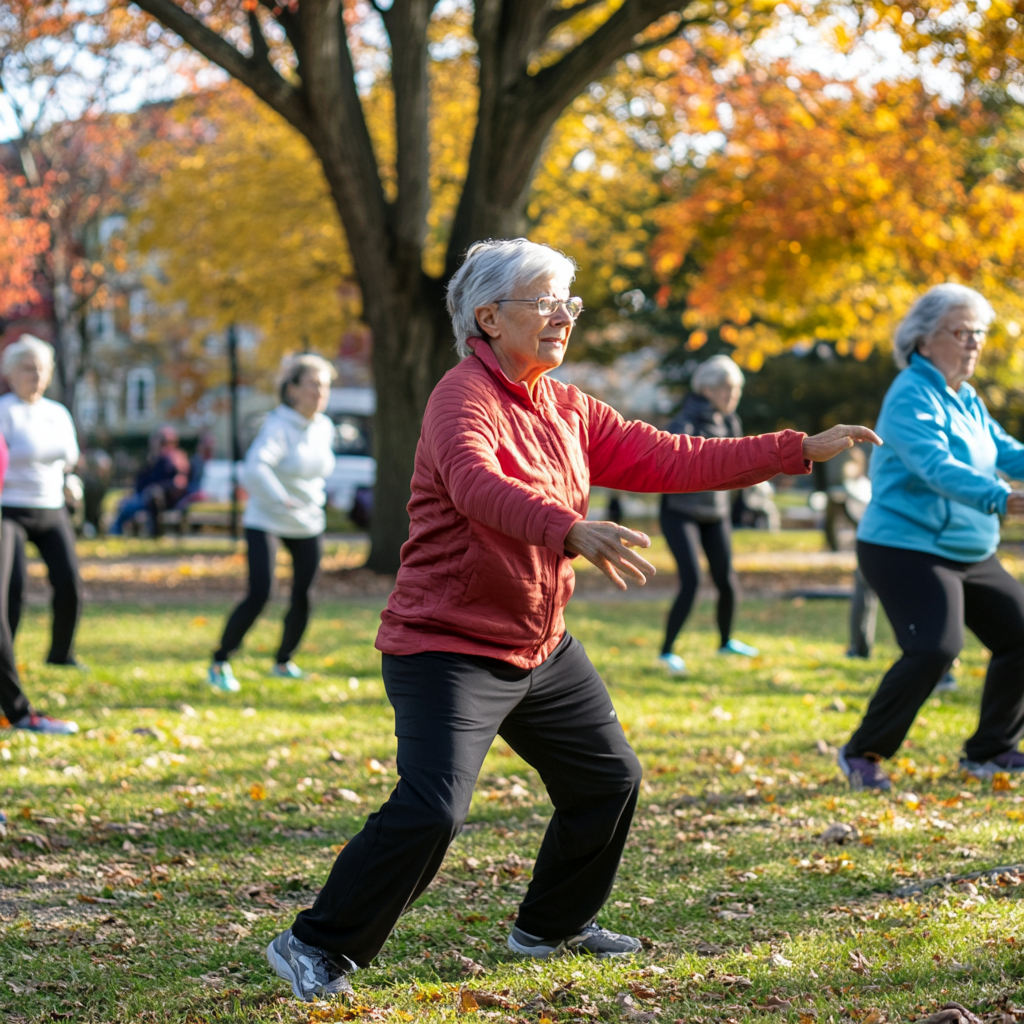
point(241, 228)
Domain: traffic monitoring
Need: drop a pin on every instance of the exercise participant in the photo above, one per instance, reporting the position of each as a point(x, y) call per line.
point(692, 521)
point(926, 543)
point(285, 469)
point(43, 448)
point(473, 638)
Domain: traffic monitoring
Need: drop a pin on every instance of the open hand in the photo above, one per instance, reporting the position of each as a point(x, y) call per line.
point(826, 445)
point(605, 545)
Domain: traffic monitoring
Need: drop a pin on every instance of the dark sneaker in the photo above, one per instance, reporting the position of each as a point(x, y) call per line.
point(593, 939)
point(45, 724)
point(1012, 761)
point(311, 973)
point(863, 772)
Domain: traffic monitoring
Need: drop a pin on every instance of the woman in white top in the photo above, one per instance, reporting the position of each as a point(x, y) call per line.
point(284, 474)
point(43, 449)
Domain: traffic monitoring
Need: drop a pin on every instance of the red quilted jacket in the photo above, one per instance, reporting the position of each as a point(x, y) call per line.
point(500, 478)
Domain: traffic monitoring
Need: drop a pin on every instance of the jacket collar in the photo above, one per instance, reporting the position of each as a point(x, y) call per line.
point(293, 417)
point(926, 368)
point(483, 351)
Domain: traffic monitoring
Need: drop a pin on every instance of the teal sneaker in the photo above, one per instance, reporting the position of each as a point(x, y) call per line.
point(220, 677)
point(289, 670)
point(739, 647)
point(673, 663)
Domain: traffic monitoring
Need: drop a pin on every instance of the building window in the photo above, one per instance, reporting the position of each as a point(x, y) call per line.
point(87, 404)
point(140, 395)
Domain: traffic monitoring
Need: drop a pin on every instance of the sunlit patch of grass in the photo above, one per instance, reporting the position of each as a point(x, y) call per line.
point(150, 859)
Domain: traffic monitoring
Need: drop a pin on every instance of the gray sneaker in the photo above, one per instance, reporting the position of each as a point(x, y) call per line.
point(312, 974)
point(592, 939)
point(1010, 761)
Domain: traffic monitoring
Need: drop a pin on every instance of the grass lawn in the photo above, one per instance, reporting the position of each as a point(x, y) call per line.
point(149, 860)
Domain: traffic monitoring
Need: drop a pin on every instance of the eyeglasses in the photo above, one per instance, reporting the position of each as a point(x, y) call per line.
point(978, 334)
point(547, 304)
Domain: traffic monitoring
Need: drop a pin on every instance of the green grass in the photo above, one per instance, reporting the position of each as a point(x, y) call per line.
point(145, 871)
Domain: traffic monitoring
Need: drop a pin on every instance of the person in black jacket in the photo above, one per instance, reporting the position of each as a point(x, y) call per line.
point(704, 517)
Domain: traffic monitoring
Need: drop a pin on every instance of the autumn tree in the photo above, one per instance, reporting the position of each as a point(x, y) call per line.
point(826, 211)
point(532, 58)
point(213, 180)
point(61, 63)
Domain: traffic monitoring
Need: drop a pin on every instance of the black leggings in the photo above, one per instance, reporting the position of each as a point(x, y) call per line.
point(928, 601)
point(262, 547)
point(13, 703)
point(50, 530)
point(448, 709)
point(683, 536)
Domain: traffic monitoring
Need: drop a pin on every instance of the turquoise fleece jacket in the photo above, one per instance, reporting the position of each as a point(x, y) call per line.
point(934, 482)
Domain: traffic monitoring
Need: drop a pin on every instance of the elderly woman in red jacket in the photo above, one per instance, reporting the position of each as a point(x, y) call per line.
point(473, 640)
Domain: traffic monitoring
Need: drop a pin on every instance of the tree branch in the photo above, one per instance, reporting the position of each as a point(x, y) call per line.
point(560, 15)
point(260, 49)
point(258, 76)
point(554, 87)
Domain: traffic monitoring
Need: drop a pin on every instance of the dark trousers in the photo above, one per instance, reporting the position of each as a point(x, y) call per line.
point(262, 553)
point(50, 530)
point(13, 703)
point(928, 601)
point(448, 709)
point(683, 535)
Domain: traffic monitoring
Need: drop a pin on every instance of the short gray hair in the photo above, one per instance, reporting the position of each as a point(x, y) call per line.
point(28, 345)
point(716, 371)
point(925, 314)
point(293, 369)
point(493, 270)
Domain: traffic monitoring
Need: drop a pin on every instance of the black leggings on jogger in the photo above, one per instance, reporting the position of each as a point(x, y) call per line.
point(928, 600)
point(683, 535)
point(50, 530)
point(448, 709)
point(262, 554)
point(13, 703)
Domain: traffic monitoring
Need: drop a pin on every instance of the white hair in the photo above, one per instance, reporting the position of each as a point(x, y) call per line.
point(924, 316)
point(714, 372)
point(28, 345)
point(294, 368)
point(494, 270)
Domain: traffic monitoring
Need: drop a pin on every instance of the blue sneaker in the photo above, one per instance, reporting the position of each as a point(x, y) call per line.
point(673, 663)
point(288, 670)
point(863, 772)
point(220, 677)
point(739, 647)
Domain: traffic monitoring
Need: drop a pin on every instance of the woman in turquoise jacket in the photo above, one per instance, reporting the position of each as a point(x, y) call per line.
point(927, 541)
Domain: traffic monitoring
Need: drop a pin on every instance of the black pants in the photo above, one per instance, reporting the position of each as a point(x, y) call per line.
point(262, 550)
point(448, 709)
point(13, 703)
point(683, 535)
point(929, 600)
point(50, 530)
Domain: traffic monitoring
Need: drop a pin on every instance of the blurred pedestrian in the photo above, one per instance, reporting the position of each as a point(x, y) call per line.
point(703, 519)
point(473, 637)
point(927, 541)
point(285, 469)
point(159, 485)
point(43, 448)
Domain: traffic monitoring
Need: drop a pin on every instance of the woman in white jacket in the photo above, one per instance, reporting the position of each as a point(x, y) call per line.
point(285, 469)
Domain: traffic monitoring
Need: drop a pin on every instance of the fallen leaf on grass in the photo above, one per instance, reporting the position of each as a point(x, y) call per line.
point(631, 1012)
point(709, 949)
point(467, 1001)
point(859, 963)
point(838, 833)
point(468, 965)
point(641, 990)
point(778, 960)
point(873, 1016)
point(776, 1004)
point(484, 998)
point(951, 1013)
